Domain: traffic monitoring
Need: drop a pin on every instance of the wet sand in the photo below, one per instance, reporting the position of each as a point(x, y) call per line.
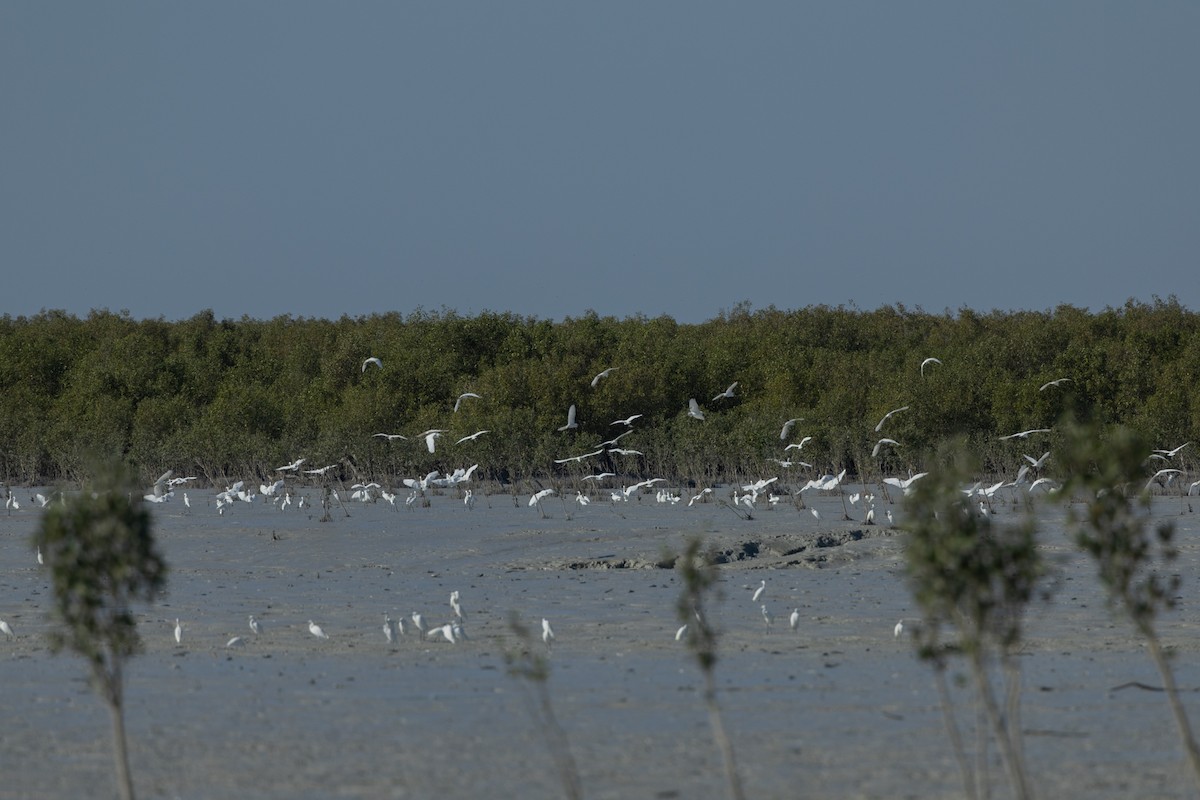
point(837, 709)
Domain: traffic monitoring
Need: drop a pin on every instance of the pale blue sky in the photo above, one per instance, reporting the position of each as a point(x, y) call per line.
point(546, 158)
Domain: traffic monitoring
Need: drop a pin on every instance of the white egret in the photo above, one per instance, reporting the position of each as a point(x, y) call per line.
point(598, 477)
point(582, 499)
point(547, 632)
point(539, 496)
point(625, 452)
point(372, 360)
point(1048, 483)
point(472, 437)
point(888, 416)
point(469, 499)
point(727, 394)
point(256, 627)
point(682, 632)
point(768, 617)
point(316, 631)
point(628, 421)
point(456, 604)
point(758, 593)
point(694, 409)
point(899, 629)
point(1024, 434)
point(1168, 474)
point(292, 467)
point(431, 438)
point(178, 631)
point(571, 423)
point(322, 470)
point(1172, 453)
point(6, 629)
point(798, 445)
point(391, 437)
point(794, 619)
point(880, 444)
point(578, 458)
point(464, 396)
point(888, 513)
point(1036, 463)
point(389, 628)
point(904, 483)
point(236, 641)
point(186, 500)
point(816, 514)
point(1058, 382)
point(418, 622)
point(603, 374)
point(40, 559)
point(787, 427)
point(930, 360)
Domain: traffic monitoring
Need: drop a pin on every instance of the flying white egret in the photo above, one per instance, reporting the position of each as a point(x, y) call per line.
point(787, 427)
point(431, 438)
point(236, 641)
point(625, 452)
point(727, 394)
point(1024, 434)
point(391, 437)
point(881, 443)
point(628, 421)
point(6, 629)
point(758, 593)
point(178, 631)
point(1036, 463)
point(599, 477)
point(538, 497)
point(904, 483)
point(930, 360)
point(603, 374)
point(292, 467)
point(682, 632)
point(472, 437)
point(316, 631)
point(322, 470)
point(1168, 474)
point(888, 416)
point(578, 458)
point(571, 423)
point(798, 445)
point(464, 396)
point(372, 360)
point(1047, 482)
point(547, 632)
point(794, 619)
point(256, 627)
point(694, 409)
point(1172, 453)
point(1058, 382)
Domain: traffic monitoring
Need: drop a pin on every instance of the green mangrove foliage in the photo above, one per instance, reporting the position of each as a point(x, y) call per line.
point(238, 397)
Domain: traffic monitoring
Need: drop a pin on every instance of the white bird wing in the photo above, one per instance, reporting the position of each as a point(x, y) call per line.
point(694, 409)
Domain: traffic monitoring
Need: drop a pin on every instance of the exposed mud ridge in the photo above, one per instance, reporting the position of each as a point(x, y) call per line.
point(782, 550)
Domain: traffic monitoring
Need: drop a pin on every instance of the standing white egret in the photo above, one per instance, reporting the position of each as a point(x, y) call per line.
point(316, 631)
point(694, 409)
point(464, 396)
point(418, 622)
point(389, 628)
point(930, 360)
point(571, 423)
point(6, 629)
point(255, 626)
point(816, 514)
point(547, 632)
point(758, 593)
point(794, 619)
point(372, 360)
point(603, 374)
point(682, 632)
point(178, 631)
point(456, 604)
point(899, 629)
point(768, 617)
point(186, 500)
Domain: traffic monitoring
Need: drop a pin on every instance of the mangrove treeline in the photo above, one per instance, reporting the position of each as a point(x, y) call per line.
point(226, 399)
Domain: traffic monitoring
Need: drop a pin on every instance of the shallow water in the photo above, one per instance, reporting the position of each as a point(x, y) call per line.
point(837, 709)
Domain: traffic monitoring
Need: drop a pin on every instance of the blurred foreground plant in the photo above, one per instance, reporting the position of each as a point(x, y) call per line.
point(1109, 471)
point(99, 549)
point(974, 577)
point(532, 668)
point(699, 577)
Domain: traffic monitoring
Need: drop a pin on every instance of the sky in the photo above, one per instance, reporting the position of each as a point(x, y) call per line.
point(321, 159)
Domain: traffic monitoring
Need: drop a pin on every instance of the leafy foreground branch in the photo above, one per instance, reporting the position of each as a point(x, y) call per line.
point(973, 578)
point(1109, 471)
point(532, 669)
point(100, 551)
point(699, 577)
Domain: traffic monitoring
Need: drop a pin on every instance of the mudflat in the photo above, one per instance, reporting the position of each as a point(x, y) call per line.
point(837, 708)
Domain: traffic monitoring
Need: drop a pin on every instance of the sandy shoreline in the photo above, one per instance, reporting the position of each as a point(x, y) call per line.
point(838, 709)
